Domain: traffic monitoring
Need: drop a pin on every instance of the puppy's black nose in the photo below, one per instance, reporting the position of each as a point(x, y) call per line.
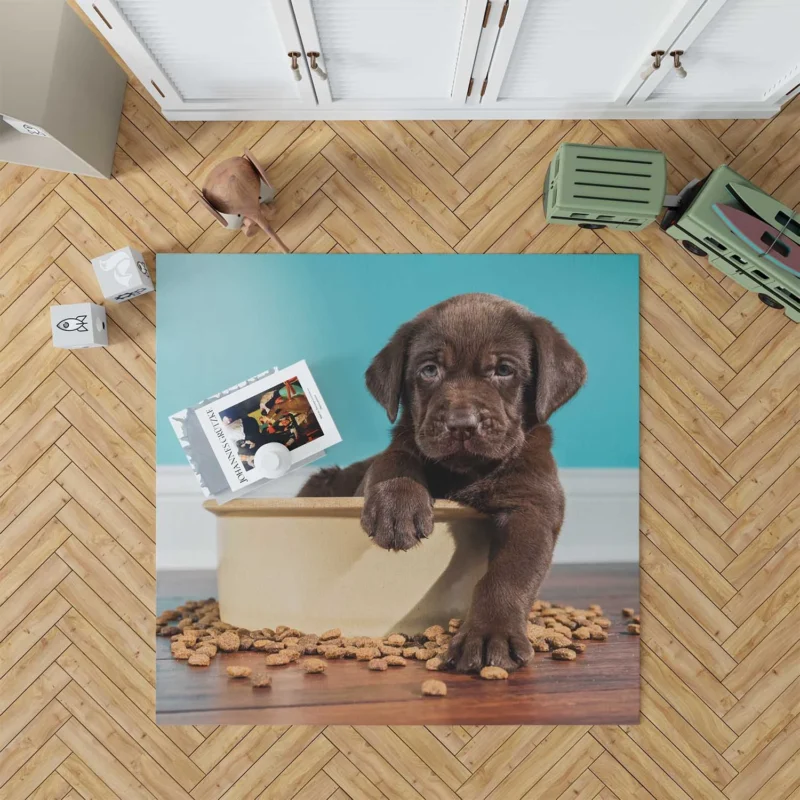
point(461, 422)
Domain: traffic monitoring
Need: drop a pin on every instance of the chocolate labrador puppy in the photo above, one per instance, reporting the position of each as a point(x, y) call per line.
point(477, 378)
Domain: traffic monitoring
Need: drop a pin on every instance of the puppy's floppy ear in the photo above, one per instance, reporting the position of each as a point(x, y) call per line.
point(385, 373)
point(558, 369)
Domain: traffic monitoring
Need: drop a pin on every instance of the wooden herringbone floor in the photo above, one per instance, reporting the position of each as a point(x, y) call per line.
point(720, 488)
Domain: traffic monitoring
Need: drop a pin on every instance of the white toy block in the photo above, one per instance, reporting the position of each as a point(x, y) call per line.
point(122, 274)
point(78, 325)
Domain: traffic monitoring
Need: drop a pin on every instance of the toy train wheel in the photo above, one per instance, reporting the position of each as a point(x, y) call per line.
point(592, 226)
point(769, 301)
point(693, 248)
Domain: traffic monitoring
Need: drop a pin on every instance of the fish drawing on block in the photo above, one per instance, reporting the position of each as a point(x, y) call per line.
point(77, 324)
point(763, 238)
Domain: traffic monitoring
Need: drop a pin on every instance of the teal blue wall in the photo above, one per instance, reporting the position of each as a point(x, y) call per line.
point(223, 318)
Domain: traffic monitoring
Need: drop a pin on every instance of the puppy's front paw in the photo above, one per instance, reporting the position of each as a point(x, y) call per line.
point(501, 643)
point(397, 513)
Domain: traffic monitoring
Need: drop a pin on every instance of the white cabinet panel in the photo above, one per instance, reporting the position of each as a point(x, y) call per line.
point(581, 50)
point(430, 59)
point(392, 51)
point(749, 50)
point(231, 54)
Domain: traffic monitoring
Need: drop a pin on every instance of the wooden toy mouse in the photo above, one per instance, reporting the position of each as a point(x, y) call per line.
point(233, 188)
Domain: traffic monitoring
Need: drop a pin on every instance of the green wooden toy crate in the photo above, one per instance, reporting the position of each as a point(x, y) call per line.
point(596, 187)
point(702, 232)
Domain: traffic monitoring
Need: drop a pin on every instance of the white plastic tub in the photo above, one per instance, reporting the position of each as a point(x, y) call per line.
point(306, 563)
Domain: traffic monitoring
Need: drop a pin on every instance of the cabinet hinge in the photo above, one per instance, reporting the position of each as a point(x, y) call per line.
point(469, 88)
point(503, 15)
point(486, 13)
point(485, 83)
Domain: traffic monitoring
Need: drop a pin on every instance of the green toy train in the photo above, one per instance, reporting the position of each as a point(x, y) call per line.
point(742, 230)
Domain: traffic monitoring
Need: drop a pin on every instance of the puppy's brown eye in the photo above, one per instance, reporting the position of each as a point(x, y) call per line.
point(429, 371)
point(504, 370)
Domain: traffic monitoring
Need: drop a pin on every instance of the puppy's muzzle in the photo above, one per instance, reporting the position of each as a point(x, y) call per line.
point(461, 423)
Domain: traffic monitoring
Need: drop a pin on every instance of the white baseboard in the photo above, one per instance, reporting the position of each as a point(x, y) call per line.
point(577, 111)
point(601, 524)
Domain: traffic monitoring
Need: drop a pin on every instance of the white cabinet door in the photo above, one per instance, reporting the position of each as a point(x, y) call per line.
point(557, 54)
point(743, 51)
point(403, 54)
point(208, 54)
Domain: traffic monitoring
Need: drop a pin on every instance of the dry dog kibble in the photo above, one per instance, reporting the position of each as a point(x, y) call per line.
point(564, 654)
point(535, 632)
point(433, 631)
point(238, 672)
point(196, 633)
point(634, 629)
point(636, 618)
point(627, 612)
point(228, 642)
point(314, 666)
point(556, 640)
point(292, 653)
point(261, 680)
point(494, 674)
point(434, 688)
point(378, 664)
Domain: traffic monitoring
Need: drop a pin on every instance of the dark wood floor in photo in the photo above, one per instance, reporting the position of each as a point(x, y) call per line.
point(600, 687)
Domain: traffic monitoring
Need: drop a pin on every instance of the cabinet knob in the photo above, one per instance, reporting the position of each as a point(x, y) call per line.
point(676, 60)
point(651, 68)
point(315, 68)
point(295, 66)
